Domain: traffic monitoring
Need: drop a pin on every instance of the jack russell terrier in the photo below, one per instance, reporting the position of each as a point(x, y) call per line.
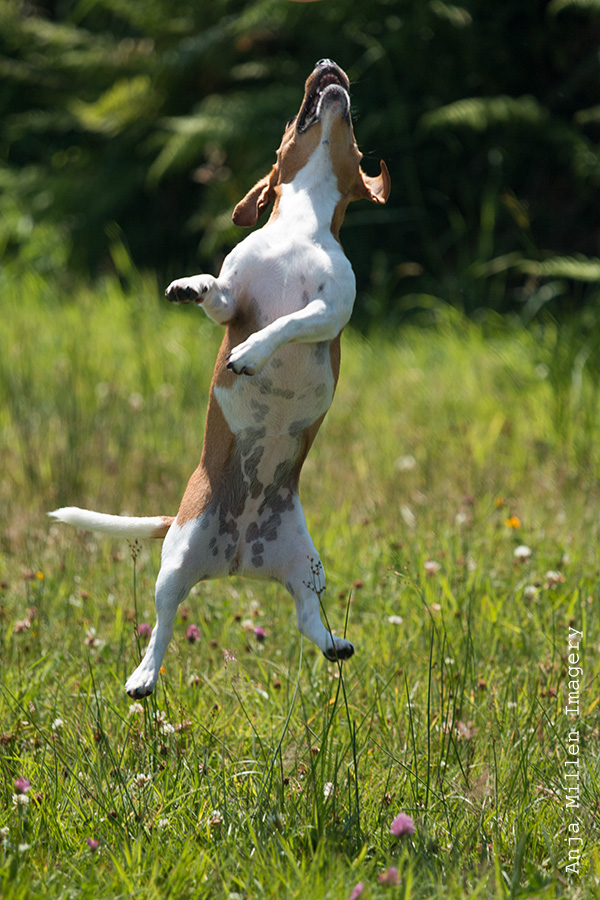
point(284, 294)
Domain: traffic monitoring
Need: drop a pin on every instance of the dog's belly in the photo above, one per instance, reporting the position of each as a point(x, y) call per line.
point(269, 415)
point(293, 390)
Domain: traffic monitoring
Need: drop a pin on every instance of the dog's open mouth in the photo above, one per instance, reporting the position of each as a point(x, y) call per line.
point(331, 84)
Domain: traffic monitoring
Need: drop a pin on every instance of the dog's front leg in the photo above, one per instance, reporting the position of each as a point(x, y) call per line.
point(317, 321)
point(205, 291)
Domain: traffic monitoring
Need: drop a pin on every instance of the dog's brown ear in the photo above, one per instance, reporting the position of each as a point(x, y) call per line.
point(375, 188)
point(249, 210)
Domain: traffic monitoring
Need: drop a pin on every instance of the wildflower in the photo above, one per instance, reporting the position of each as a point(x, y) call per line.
point(141, 780)
point(21, 625)
point(22, 785)
point(167, 728)
point(90, 639)
point(389, 877)
point(229, 656)
point(357, 891)
point(163, 823)
point(530, 591)
point(431, 567)
point(466, 731)
point(57, 724)
point(513, 522)
point(4, 833)
point(402, 824)
point(144, 631)
point(20, 800)
point(255, 609)
point(215, 819)
point(522, 553)
point(260, 634)
point(192, 634)
point(23, 848)
point(135, 709)
point(39, 576)
point(93, 844)
point(553, 578)
point(395, 620)
point(328, 789)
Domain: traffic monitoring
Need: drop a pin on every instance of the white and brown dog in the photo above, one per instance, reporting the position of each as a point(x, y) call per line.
point(284, 294)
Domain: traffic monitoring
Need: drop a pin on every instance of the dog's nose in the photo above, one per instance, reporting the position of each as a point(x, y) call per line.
point(324, 62)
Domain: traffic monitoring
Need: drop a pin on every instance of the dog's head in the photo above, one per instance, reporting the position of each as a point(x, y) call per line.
point(324, 115)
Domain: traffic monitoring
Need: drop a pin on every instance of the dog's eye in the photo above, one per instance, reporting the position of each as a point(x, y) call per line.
point(291, 121)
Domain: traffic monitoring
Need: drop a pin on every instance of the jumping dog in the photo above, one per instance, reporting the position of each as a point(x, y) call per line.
point(284, 294)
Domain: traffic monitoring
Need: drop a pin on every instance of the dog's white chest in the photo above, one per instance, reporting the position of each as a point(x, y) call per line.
point(272, 276)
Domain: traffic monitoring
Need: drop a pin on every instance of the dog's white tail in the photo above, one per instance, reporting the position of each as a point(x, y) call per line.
point(117, 526)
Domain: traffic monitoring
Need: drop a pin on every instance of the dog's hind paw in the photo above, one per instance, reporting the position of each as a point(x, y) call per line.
point(140, 684)
point(341, 650)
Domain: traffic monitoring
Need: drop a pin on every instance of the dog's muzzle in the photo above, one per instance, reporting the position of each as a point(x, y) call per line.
point(327, 84)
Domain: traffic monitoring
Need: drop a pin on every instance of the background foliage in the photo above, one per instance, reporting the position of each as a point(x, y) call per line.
point(144, 121)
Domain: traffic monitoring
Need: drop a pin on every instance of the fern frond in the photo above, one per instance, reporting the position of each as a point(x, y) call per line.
point(481, 113)
point(557, 6)
point(575, 268)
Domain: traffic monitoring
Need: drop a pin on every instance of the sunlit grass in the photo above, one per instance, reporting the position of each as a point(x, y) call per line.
point(257, 769)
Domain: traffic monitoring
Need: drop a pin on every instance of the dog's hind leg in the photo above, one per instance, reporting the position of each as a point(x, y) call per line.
point(304, 579)
point(172, 587)
point(185, 561)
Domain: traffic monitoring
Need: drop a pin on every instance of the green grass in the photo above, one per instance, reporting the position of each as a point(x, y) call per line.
point(277, 774)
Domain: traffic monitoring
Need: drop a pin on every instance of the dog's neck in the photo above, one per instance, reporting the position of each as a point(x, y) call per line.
point(307, 205)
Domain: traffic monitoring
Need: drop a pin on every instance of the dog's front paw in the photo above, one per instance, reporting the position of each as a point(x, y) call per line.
point(189, 290)
point(247, 358)
point(342, 649)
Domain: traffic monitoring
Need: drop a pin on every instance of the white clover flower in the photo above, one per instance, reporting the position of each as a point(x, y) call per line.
point(395, 620)
point(20, 800)
point(328, 789)
point(57, 724)
point(431, 567)
point(140, 779)
point(135, 709)
point(522, 552)
point(215, 819)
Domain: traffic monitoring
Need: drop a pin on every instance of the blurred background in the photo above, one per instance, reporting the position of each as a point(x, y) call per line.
point(134, 126)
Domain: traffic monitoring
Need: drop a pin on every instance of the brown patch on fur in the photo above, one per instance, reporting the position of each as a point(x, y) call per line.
point(161, 531)
point(216, 477)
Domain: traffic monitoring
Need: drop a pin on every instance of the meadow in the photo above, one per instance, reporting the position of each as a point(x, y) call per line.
point(453, 495)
